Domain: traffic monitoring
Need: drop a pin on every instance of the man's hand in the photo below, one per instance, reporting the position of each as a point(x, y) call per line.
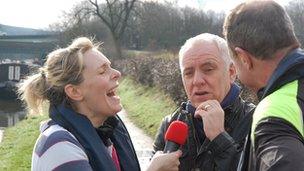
point(212, 116)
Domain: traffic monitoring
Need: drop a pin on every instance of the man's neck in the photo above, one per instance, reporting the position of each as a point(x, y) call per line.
point(267, 67)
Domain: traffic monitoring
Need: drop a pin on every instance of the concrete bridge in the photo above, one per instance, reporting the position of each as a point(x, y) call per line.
point(23, 47)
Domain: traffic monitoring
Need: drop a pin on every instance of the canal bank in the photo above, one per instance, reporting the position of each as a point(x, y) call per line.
point(1, 134)
point(11, 112)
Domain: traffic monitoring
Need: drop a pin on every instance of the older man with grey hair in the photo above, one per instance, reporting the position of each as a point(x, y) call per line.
point(218, 118)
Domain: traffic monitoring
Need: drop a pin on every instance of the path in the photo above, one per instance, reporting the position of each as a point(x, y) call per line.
point(142, 143)
point(1, 134)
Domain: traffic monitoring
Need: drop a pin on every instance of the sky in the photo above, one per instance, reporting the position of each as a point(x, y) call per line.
point(33, 13)
point(218, 5)
point(40, 14)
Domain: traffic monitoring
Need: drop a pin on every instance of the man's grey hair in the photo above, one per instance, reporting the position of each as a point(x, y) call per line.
point(194, 44)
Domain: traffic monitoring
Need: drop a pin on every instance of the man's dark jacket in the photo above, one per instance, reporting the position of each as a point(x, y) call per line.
point(278, 145)
point(223, 152)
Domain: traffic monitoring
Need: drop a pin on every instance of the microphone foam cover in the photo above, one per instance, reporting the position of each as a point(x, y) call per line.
point(177, 132)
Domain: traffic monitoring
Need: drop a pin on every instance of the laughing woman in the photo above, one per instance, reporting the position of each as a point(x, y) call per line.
point(84, 132)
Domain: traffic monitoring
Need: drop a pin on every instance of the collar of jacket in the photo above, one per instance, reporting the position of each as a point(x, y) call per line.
point(227, 102)
point(106, 130)
point(289, 69)
point(80, 126)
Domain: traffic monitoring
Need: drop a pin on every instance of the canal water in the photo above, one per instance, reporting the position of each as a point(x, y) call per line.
point(11, 112)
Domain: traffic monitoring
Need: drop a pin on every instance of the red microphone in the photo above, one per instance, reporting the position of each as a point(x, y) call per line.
point(176, 136)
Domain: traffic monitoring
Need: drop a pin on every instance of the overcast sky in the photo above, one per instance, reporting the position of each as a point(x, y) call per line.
point(41, 13)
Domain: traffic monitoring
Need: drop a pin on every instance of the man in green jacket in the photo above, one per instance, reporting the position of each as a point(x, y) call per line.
point(268, 59)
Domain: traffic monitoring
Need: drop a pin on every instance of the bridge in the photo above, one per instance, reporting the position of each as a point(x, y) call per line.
point(23, 47)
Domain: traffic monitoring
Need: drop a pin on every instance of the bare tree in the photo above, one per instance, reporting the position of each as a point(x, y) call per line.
point(149, 25)
point(295, 10)
point(114, 14)
point(72, 24)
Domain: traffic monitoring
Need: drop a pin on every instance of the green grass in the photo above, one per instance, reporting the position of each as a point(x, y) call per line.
point(165, 54)
point(17, 144)
point(145, 106)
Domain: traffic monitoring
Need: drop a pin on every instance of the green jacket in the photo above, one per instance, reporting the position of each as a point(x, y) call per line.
point(277, 133)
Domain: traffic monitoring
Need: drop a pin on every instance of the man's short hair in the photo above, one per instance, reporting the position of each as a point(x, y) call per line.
point(194, 46)
point(259, 27)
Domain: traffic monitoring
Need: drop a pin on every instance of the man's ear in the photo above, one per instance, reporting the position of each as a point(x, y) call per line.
point(73, 92)
point(244, 57)
point(232, 72)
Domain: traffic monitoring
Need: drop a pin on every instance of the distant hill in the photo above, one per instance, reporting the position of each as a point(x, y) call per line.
point(14, 31)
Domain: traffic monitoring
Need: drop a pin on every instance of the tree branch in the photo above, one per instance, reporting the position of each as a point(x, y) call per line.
point(97, 12)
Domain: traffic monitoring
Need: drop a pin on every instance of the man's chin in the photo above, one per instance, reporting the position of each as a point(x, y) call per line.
point(197, 102)
point(118, 108)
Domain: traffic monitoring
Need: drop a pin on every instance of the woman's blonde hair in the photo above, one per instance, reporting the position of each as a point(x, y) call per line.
point(63, 66)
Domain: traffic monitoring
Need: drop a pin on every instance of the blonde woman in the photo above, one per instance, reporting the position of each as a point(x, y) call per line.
point(84, 132)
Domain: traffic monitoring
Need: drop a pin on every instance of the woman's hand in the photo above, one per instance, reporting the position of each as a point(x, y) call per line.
point(165, 161)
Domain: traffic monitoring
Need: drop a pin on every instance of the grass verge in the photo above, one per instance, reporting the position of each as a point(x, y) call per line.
point(17, 144)
point(145, 106)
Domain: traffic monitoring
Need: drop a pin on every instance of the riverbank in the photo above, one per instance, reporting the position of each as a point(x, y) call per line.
point(18, 142)
point(146, 106)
